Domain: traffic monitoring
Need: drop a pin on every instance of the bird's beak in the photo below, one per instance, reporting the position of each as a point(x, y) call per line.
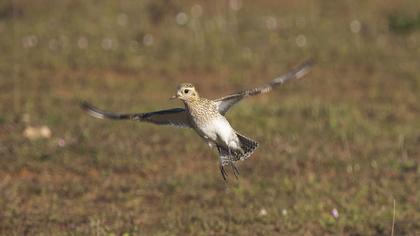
point(173, 97)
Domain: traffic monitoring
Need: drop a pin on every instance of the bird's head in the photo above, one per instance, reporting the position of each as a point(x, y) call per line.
point(185, 92)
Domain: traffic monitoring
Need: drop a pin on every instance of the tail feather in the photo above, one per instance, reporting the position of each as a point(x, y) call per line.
point(248, 146)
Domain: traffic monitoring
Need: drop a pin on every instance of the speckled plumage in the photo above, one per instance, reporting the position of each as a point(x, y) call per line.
point(207, 117)
point(201, 110)
point(209, 123)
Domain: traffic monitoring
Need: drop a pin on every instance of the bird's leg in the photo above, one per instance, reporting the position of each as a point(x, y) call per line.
point(222, 169)
point(232, 165)
point(230, 154)
point(241, 151)
point(234, 169)
point(223, 172)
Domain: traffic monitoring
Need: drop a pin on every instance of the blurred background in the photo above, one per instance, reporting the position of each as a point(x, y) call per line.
point(337, 148)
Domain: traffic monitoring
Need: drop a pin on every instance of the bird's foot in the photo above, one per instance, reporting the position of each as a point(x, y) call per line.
point(234, 169)
point(223, 172)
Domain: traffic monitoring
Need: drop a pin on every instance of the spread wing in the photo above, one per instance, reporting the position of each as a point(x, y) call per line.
point(174, 117)
point(225, 103)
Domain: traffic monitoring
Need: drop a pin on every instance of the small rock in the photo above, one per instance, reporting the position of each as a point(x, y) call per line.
point(263, 212)
point(34, 133)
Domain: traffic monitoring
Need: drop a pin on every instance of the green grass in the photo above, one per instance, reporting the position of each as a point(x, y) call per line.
point(346, 137)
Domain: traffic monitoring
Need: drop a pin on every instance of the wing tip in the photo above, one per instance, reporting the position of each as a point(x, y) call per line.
point(91, 110)
point(297, 72)
point(304, 68)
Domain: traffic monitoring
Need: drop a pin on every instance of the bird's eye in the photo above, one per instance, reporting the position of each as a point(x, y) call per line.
point(186, 91)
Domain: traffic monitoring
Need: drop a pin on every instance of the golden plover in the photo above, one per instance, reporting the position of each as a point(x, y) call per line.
point(207, 117)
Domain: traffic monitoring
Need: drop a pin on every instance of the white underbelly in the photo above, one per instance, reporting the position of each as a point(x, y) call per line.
point(219, 131)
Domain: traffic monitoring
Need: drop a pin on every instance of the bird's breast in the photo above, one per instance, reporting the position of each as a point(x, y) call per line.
point(209, 123)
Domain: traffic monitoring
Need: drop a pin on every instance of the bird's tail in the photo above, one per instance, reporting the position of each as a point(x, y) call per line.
point(228, 157)
point(248, 146)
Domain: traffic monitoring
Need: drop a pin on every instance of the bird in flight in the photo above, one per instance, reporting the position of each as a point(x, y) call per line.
point(207, 117)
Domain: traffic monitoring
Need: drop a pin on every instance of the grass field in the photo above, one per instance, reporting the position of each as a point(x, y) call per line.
point(337, 148)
